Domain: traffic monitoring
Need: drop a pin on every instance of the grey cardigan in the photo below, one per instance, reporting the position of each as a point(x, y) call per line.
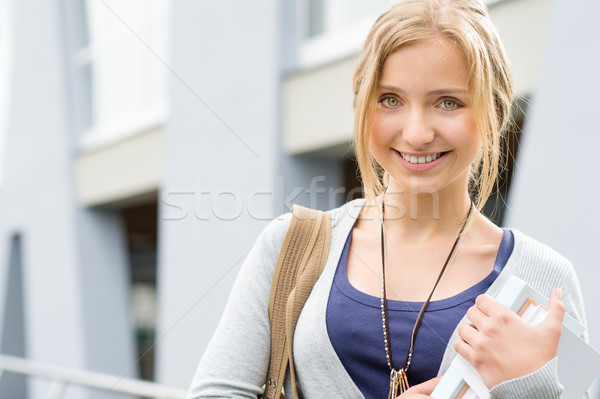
point(235, 362)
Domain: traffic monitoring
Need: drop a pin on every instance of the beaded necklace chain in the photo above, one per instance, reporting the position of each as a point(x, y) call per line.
point(398, 378)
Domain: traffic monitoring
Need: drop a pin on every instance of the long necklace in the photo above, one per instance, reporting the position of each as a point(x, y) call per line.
point(398, 378)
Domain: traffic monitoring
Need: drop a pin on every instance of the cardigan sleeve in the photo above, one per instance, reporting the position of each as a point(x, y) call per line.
point(541, 384)
point(544, 382)
point(235, 362)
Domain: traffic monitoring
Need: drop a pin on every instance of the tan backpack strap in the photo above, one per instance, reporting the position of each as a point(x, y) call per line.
point(299, 295)
point(301, 261)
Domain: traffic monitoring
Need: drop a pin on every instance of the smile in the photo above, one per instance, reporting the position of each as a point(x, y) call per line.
point(413, 159)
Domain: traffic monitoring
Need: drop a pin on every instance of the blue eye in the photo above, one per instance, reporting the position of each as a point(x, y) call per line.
point(390, 102)
point(449, 104)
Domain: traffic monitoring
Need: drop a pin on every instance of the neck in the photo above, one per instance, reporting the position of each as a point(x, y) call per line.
point(424, 214)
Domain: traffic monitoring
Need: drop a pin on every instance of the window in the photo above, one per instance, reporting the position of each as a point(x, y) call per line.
point(333, 29)
point(141, 225)
point(326, 16)
point(120, 55)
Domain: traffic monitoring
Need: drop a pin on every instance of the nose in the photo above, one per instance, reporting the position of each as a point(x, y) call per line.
point(417, 132)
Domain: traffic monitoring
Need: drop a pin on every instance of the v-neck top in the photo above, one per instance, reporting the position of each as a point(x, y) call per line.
point(355, 327)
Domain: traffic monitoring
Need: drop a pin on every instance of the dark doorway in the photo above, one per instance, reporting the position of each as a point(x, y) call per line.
point(141, 230)
point(495, 206)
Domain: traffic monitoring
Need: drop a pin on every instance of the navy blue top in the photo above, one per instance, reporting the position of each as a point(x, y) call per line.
point(354, 327)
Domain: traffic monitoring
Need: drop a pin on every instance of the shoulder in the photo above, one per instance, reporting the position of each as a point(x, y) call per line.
point(545, 269)
point(270, 241)
point(346, 214)
point(271, 238)
point(538, 257)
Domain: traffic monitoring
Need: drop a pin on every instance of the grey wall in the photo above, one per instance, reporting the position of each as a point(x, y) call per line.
point(75, 306)
point(37, 199)
point(555, 191)
point(220, 149)
point(315, 182)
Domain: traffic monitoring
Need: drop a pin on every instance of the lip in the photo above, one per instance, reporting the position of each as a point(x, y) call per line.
point(421, 167)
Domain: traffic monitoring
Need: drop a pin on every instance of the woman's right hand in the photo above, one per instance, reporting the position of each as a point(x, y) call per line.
point(421, 391)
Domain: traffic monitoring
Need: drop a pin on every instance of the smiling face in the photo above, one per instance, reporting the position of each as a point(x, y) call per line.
point(424, 132)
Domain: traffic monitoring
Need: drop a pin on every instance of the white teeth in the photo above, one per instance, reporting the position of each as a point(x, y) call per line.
point(425, 159)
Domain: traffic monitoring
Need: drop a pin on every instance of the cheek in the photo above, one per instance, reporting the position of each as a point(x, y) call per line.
point(376, 147)
point(476, 143)
point(382, 133)
point(466, 135)
point(377, 144)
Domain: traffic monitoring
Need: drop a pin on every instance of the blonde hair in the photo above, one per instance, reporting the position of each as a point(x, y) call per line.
point(467, 25)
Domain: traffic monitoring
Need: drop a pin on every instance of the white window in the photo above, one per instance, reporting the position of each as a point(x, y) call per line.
point(121, 67)
point(333, 29)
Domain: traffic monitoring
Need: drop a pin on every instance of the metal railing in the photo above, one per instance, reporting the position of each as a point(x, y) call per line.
point(61, 377)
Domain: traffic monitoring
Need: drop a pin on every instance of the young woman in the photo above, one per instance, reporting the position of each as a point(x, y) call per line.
point(410, 262)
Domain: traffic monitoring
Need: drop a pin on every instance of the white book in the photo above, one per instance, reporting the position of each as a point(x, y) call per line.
point(578, 362)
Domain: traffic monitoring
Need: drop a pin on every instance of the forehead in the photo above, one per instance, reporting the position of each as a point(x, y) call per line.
point(426, 64)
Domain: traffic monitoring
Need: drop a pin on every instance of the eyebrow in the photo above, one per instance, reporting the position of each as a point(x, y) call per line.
point(433, 92)
point(448, 91)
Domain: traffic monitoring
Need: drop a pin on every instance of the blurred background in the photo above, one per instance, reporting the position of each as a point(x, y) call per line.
point(145, 144)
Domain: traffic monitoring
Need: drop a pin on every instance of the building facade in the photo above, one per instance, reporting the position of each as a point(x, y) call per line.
point(146, 144)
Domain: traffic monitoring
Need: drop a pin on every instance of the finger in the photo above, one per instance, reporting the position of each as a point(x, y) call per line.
point(557, 308)
point(427, 387)
point(465, 350)
point(468, 333)
point(488, 305)
point(476, 317)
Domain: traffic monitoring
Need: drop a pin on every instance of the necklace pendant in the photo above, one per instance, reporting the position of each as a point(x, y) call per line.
point(394, 383)
point(398, 383)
